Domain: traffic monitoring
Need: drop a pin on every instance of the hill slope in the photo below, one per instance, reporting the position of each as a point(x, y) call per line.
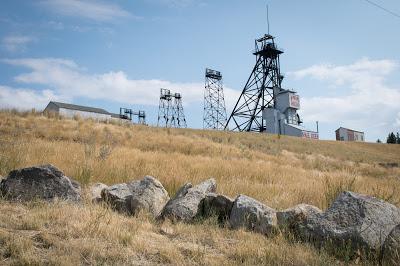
point(279, 172)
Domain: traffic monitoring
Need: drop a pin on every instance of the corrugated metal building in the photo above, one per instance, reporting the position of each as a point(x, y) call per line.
point(72, 110)
point(345, 134)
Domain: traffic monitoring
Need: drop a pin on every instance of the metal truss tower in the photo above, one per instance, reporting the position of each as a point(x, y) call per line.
point(214, 116)
point(258, 92)
point(178, 118)
point(165, 111)
point(170, 111)
point(141, 115)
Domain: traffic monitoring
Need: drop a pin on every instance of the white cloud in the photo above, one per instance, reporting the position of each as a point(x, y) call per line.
point(15, 43)
point(66, 78)
point(90, 9)
point(370, 104)
point(25, 98)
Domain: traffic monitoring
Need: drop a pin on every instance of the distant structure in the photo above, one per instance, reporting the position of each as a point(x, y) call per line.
point(85, 112)
point(128, 114)
point(214, 116)
point(345, 134)
point(170, 110)
point(264, 106)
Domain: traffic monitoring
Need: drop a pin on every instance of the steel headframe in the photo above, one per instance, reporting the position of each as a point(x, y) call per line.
point(165, 111)
point(214, 116)
point(258, 92)
point(170, 111)
point(141, 117)
point(125, 113)
point(178, 119)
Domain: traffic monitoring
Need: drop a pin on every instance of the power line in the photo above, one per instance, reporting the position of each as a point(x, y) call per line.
point(382, 8)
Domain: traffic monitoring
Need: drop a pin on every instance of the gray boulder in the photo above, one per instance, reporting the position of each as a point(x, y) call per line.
point(253, 215)
point(292, 217)
point(43, 182)
point(353, 222)
point(95, 191)
point(147, 194)
point(118, 197)
point(186, 205)
point(391, 247)
point(216, 204)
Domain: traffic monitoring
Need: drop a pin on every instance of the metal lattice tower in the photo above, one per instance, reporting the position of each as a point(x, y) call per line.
point(141, 117)
point(258, 92)
point(165, 108)
point(214, 102)
point(178, 119)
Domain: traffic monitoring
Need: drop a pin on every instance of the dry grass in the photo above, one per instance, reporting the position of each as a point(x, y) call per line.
point(280, 172)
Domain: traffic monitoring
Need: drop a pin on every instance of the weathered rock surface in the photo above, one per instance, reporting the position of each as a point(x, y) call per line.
point(118, 197)
point(147, 194)
point(96, 192)
point(354, 221)
point(253, 215)
point(186, 205)
point(43, 182)
point(292, 217)
point(391, 247)
point(216, 204)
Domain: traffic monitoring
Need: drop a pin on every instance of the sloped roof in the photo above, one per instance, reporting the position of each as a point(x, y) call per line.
point(349, 130)
point(80, 108)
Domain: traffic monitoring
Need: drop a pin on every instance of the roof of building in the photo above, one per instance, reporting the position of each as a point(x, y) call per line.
point(349, 129)
point(80, 108)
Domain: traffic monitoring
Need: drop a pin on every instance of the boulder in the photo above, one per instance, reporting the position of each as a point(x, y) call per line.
point(147, 194)
point(391, 247)
point(252, 215)
point(186, 204)
point(216, 204)
point(43, 182)
point(96, 192)
point(118, 197)
point(354, 222)
point(292, 217)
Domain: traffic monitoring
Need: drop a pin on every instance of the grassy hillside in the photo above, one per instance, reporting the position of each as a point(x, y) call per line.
point(278, 171)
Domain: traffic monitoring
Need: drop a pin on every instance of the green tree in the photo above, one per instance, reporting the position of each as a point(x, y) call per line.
point(379, 141)
point(398, 138)
point(391, 139)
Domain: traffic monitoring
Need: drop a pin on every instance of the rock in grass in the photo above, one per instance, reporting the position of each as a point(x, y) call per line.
point(43, 182)
point(391, 247)
point(291, 218)
point(186, 205)
point(354, 222)
point(216, 204)
point(147, 194)
point(253, 215)
point(96, 192)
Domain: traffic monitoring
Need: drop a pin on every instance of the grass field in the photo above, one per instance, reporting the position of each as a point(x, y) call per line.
point(278, 171)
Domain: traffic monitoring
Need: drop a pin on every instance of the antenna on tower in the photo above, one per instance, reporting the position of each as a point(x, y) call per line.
point(268, 18)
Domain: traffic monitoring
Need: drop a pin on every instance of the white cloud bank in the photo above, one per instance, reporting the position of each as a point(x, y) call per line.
point(89, 9)
point(64, 79)
point(370, 104)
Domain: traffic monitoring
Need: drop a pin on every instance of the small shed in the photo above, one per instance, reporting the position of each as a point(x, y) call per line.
point(345, 134)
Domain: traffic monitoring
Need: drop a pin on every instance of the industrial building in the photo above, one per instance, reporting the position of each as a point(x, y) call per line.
point(85, 112)
point(345, 134)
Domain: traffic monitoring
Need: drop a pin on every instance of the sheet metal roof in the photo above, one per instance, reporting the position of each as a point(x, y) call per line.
point(81, 108)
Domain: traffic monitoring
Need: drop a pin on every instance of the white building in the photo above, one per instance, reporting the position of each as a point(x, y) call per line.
point(282, 117)
point(345, 134)
point(72, 110)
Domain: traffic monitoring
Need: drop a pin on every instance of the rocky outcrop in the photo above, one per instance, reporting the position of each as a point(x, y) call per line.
point(95, 192)
point(147, 194)
point(43, 182)
point(253, 215)
point(353, 222)
point(291, 218)
point(186, 205)
point(391, 247)
point(218, 205)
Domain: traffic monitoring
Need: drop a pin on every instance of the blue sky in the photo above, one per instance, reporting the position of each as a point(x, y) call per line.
point(342, 56)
